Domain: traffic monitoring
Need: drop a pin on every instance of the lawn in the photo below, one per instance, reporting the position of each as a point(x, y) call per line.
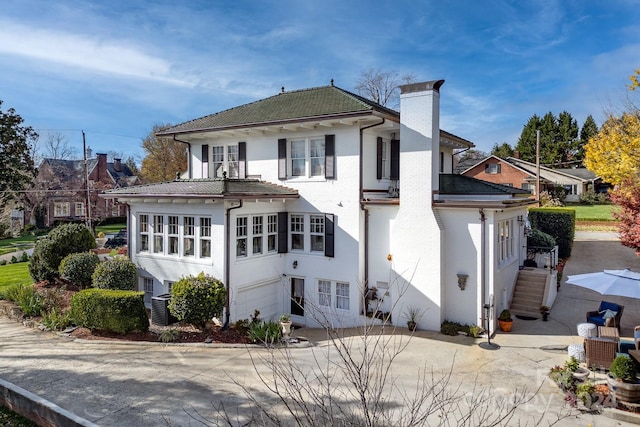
point(14, 244)
point(14, 274)
point(111, 228)
point(594, 212)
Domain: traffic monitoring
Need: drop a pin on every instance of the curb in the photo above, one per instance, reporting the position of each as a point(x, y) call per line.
point(37, 409)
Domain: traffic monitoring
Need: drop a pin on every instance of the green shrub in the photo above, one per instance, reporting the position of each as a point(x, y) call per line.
point(559, 223)
point(585, 392)
point(24, 257)
point(61, 241)
point(110, 310)
point(3, 262)
point(197, 299)
point(79, 267)
point(572, 364)
point(537, 238)
point(14, 259)
point(118, 273)
point(265, 333)
point(169, 335)
point(452, 328)
point(623, 369)
point(56, 319)
point(30, 301)
point(588, 197)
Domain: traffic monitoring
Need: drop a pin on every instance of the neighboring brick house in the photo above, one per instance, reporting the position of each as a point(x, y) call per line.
point(515, 172)
point(301, 201)
point(59, 193)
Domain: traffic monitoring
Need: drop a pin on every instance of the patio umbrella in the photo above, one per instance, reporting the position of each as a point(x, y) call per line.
point(623, 283)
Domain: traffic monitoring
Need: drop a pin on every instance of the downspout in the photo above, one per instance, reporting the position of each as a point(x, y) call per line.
point(188, 156)
point(366, 212)
point(227, 262)
point(483, 256)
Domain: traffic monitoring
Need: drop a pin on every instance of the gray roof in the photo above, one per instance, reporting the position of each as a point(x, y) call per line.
point(207, 188)
point(582, 173)
point(461, 184)
point(316, 103)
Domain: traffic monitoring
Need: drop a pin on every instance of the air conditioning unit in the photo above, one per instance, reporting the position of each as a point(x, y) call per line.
point(160, 314)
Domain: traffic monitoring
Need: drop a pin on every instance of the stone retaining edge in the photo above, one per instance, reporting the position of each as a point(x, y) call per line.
point(37, 409)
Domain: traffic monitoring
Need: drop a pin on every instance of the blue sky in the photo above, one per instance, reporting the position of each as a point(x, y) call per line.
point(116, 68)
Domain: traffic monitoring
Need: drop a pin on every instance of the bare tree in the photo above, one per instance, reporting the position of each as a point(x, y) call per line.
point(382, 86)
point(57, 146)
point(114, 154)
point(351, 381)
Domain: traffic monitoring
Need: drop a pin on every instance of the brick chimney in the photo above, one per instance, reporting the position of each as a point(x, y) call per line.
point(117, 165)
point(102, 174)
point(516, 154)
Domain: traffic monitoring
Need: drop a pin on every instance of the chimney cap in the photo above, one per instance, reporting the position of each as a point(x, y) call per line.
point(422, 87)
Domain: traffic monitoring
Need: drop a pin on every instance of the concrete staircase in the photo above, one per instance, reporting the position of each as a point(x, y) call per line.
point(529, 292)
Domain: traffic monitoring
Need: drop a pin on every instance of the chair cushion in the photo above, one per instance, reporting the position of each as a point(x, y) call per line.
point(598, 320)
point(606, 305)
point(636, 334)
point(608, 314)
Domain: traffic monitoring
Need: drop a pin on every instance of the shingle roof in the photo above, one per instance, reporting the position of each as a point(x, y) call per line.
point(206, 188)
point(319, 102)
point(461, 184)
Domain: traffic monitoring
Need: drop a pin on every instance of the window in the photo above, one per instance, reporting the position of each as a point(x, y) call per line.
point(342, 296)
point(388, 159)
point(324, 293)
point(144, 232)
point(505, 240)
point(492, 168)
point(168, 285)
point(303, 152)
point(188, 241)
point(317, 233)
point(297, 232)
point(61, 209)
point(272, 233)
point(571, 189)
point(147, 287)
point(79, 209)
point(174, 235)
point(225, 158)
point(158, 233)
point(205, 237)
point(257, 235)
point(241, 236)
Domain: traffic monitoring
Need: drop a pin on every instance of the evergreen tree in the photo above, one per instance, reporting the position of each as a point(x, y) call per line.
point(503, 151)
point(589, 130)
point(526, 145)
point(568, 141)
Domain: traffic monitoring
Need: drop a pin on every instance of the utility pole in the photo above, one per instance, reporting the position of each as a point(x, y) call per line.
point(87, 211)
point(538, 165)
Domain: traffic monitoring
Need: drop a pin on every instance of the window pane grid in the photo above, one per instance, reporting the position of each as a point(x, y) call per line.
point(205, 237)
point(297, 232)
point(272, 230)
point(257, 234)
point(342, 296)
point(324, 293)
point(241, 236)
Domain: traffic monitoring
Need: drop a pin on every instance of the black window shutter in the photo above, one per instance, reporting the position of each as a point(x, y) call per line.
point(395, 159)
point(283, 232)
point(205, 153)
point(242, 160)
point(379, 149)
point(282, 159)
point(329, 241)
point(330, 156)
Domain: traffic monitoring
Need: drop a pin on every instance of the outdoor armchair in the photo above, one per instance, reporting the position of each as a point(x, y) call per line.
point(636, 336)
point(600, 352)
point(601, 317)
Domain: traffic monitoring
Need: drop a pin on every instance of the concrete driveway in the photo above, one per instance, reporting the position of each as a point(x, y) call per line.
point(115, 384)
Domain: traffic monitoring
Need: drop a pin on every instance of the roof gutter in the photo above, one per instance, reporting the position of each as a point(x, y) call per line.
point(227, 263)
point(189, 151)
point(366, 212)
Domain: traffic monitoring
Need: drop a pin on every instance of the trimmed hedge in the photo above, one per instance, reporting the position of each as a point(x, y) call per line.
point(559, 223)
point(78, 268)
point(118, 273)
point(110, 310)
point(197, 299)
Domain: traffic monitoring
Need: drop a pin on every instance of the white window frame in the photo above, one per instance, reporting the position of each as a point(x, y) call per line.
point(324, 293)
point(224, 158)
point(316, 233)
point(61, 209)
point(342, 296)
point(168, 286)
point(386, 159)
point(205, 238)
point(506, 240)
point(144, 233)
point(158, 234)
point(173, 235)
point(257, 231)
point(296, 229)
point(272, 233)
point(242, 235)
point(79, 209)
point(492, 168)
point(188, 236)
point(311, 151)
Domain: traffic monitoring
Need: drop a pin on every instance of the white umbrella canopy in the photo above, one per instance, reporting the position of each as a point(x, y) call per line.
point(623, 283)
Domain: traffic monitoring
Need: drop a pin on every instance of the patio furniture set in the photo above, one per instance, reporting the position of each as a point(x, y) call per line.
point(601, 334)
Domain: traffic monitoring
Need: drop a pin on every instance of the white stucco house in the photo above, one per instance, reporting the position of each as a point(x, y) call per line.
point(302, 201)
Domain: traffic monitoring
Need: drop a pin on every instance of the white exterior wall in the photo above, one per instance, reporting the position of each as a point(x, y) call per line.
point(416, 235)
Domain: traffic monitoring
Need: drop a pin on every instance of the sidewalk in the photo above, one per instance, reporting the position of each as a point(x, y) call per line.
point(133, 384)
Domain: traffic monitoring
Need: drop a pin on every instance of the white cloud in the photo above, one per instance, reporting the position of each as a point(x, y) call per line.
point(113, 57)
